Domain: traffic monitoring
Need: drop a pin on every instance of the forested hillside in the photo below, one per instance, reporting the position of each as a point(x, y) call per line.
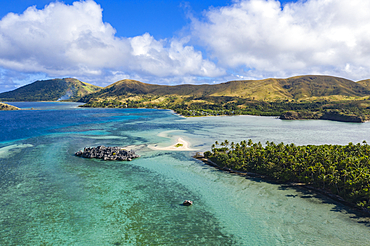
point(301, 97)
point(50, 90)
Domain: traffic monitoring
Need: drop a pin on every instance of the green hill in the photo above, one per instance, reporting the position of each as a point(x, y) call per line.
point(365, 83)
point(322, 86)
point(300, 97)
point(260, 89)
point(50, 90)
point(300, 87)
point(309, 87)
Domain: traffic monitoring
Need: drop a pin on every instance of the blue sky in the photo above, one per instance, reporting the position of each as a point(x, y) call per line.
point(161, 18)
point(177, 42)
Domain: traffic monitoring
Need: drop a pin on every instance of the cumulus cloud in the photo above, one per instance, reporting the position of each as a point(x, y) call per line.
point(249, 39)
point(265, 39)
point(153, 57)
point(72, 40)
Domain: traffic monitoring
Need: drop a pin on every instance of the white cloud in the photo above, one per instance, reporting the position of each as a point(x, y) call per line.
point(72, 40)
point(249, 39)
point(313, 36)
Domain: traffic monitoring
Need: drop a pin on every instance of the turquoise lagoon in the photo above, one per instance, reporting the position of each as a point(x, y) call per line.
point(50, 197)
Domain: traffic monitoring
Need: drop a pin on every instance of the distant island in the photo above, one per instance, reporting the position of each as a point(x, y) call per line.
point(295, 98)
point(4, 106)
point(50, 90)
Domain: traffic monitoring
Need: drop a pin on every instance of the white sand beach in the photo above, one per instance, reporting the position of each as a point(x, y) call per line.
point(180, 145)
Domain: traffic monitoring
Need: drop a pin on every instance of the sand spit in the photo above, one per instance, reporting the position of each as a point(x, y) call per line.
point(180, 145)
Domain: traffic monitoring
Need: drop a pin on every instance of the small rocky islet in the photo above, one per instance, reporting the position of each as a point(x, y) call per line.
point(107, 153)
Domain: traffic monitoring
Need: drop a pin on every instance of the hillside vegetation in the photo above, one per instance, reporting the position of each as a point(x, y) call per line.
point(343, 170)
point(301, 97)
point(298, 88)
point(50, 90)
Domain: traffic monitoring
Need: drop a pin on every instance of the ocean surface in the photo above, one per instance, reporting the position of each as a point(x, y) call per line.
point(48, 196)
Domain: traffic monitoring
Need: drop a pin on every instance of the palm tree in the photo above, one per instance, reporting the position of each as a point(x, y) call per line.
point(232, 145)
point(250, 143)
point(226, 143)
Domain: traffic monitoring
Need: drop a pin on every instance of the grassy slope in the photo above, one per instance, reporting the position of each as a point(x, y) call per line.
point(308, 97)
point(302, 87)
point(365, 83)
point(260, 89)
point(299, 88)
point(4, 106)
point(49, 90)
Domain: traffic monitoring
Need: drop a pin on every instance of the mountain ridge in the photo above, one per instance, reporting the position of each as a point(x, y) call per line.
point(304, 87)
point(271, 89)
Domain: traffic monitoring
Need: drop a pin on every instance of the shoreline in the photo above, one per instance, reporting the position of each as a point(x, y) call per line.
point(347, 119)
point(364, 212)
point(256, 115)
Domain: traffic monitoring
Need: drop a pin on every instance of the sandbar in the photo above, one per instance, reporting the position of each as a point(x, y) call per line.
point(180, 145)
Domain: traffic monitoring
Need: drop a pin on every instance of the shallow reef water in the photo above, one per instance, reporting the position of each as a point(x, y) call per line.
point(48, 196)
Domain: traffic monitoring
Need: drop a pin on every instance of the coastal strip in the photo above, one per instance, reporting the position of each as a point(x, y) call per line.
point(363, 211)
point(7, 107)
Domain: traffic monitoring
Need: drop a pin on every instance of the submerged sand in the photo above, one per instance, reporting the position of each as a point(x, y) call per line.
point(13, 149)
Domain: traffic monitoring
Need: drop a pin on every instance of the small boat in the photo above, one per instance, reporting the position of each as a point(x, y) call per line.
point(187, 203)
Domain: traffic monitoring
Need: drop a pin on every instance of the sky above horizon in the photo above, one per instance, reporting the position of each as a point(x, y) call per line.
point(182, 42)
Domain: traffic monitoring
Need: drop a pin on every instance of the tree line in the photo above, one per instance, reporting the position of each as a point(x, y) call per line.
point(343, 170)
point(213, 106)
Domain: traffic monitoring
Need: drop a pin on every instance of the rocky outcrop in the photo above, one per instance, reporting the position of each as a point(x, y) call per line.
point(290, 115)
point(107, 153)
point(4, 106)
point(329, 115)
point(342, 117)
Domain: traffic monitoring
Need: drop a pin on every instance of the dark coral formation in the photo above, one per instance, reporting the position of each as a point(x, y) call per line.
point(187, 203)
point(107, 153)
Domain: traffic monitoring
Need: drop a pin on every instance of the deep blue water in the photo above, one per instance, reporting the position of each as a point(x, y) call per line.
point(48, 196)
point(31, 123)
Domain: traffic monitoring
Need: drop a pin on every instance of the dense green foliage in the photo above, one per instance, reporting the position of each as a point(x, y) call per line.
point(38, 91)
point(240, 106)
point(344, 170)
point(304, 109)
point(301, 97)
